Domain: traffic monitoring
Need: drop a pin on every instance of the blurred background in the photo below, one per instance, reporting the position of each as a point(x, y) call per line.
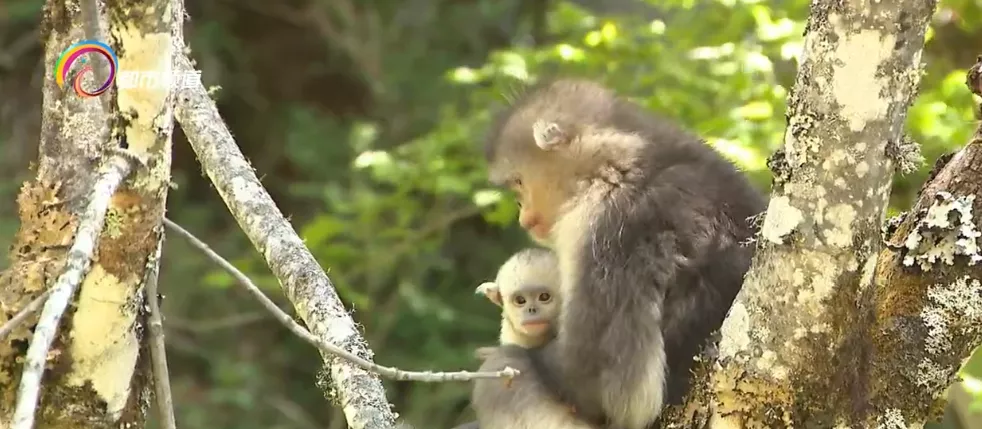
point(364, 119)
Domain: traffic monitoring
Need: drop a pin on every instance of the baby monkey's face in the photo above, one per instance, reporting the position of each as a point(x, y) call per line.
point(531, 309)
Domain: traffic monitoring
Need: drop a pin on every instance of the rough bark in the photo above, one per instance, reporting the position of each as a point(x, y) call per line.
point(790, 352)
point(96, 374)
point(358, 392)
point(928, 290)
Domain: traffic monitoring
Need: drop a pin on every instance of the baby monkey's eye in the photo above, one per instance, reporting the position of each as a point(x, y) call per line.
point(545, 297)
point(520, 300)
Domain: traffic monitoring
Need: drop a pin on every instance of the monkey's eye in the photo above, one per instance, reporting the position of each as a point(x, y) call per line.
point(545, 297)
point(519, 300)
point(515, 183)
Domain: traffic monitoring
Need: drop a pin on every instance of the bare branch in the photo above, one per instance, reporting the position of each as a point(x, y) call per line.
point(77, 264)
point(304, 282)
point(22, 315)
point(158, 352)
point(293, 326)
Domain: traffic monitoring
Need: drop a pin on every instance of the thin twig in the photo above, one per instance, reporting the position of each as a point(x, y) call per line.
point(158, 353)
point(300, 331)
point(360, 392)
point(77, 264)
point(22, 315)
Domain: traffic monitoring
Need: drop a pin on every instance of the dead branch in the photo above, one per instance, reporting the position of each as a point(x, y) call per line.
point(23, 314)
point(158, 352)
point(78, 261)
point(294, 327)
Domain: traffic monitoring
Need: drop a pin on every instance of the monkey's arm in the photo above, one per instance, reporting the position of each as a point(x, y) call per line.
point(610, 358)
point(521, 404)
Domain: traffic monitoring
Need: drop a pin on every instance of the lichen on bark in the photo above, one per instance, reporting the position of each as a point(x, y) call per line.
point(928, 292)
point(96, 372)
point(790, 352)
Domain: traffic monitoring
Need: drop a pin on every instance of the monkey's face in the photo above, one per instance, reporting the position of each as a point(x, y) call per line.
point(545, 146)
point(532, 310)
point(539, 202)
point(541, 182)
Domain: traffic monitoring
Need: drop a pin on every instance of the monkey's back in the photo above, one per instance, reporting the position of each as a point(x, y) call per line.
point(690, 195)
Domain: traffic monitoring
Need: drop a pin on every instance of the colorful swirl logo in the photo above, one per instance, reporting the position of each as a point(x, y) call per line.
point(77, 52)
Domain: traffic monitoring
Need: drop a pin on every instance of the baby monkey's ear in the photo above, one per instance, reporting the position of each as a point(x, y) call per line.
point(491, 291)
point(549, 135)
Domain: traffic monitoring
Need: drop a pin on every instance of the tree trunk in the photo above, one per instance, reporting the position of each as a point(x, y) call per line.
point(794, 350)
point(96, 374)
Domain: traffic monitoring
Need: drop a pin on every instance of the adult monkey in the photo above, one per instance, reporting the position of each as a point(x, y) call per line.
point(648, 223)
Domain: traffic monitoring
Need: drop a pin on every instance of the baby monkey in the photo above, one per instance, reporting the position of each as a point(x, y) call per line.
point(527, 290)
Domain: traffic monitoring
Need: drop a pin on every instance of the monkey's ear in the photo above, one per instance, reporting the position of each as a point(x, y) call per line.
point(491, 291)
point(548, 135)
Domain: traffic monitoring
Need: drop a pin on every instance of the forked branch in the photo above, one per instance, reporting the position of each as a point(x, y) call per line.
point(77, 264)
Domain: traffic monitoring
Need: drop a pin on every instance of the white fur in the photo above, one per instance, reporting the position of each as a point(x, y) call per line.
point(511, 335)
point(568, 237)
point(636, 406)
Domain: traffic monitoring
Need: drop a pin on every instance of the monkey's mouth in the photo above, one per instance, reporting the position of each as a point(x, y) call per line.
point(535, 327)
point(540, 233)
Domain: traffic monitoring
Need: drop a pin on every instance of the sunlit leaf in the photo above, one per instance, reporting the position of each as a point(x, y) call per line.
point(657, 27)
point(609, 31)
point(569, 52)
point(746, 158)
point(755, 110)
point(486, 197)
point(593, 38)
point(372, 158)
point(464, 75)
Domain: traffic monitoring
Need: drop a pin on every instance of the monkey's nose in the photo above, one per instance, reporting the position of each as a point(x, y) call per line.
point(528, 220)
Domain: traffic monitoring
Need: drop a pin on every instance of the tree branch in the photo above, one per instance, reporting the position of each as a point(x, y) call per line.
point(158, 351)
point(289, 323)
point(24, 313)
point(77, 264)
point(928, 290)
point(304, 282)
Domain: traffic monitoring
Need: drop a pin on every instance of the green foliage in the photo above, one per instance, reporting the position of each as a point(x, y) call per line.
point(720, 77)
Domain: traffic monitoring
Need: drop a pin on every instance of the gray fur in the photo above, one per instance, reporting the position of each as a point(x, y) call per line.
point(529, 405)
point(650, 255)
